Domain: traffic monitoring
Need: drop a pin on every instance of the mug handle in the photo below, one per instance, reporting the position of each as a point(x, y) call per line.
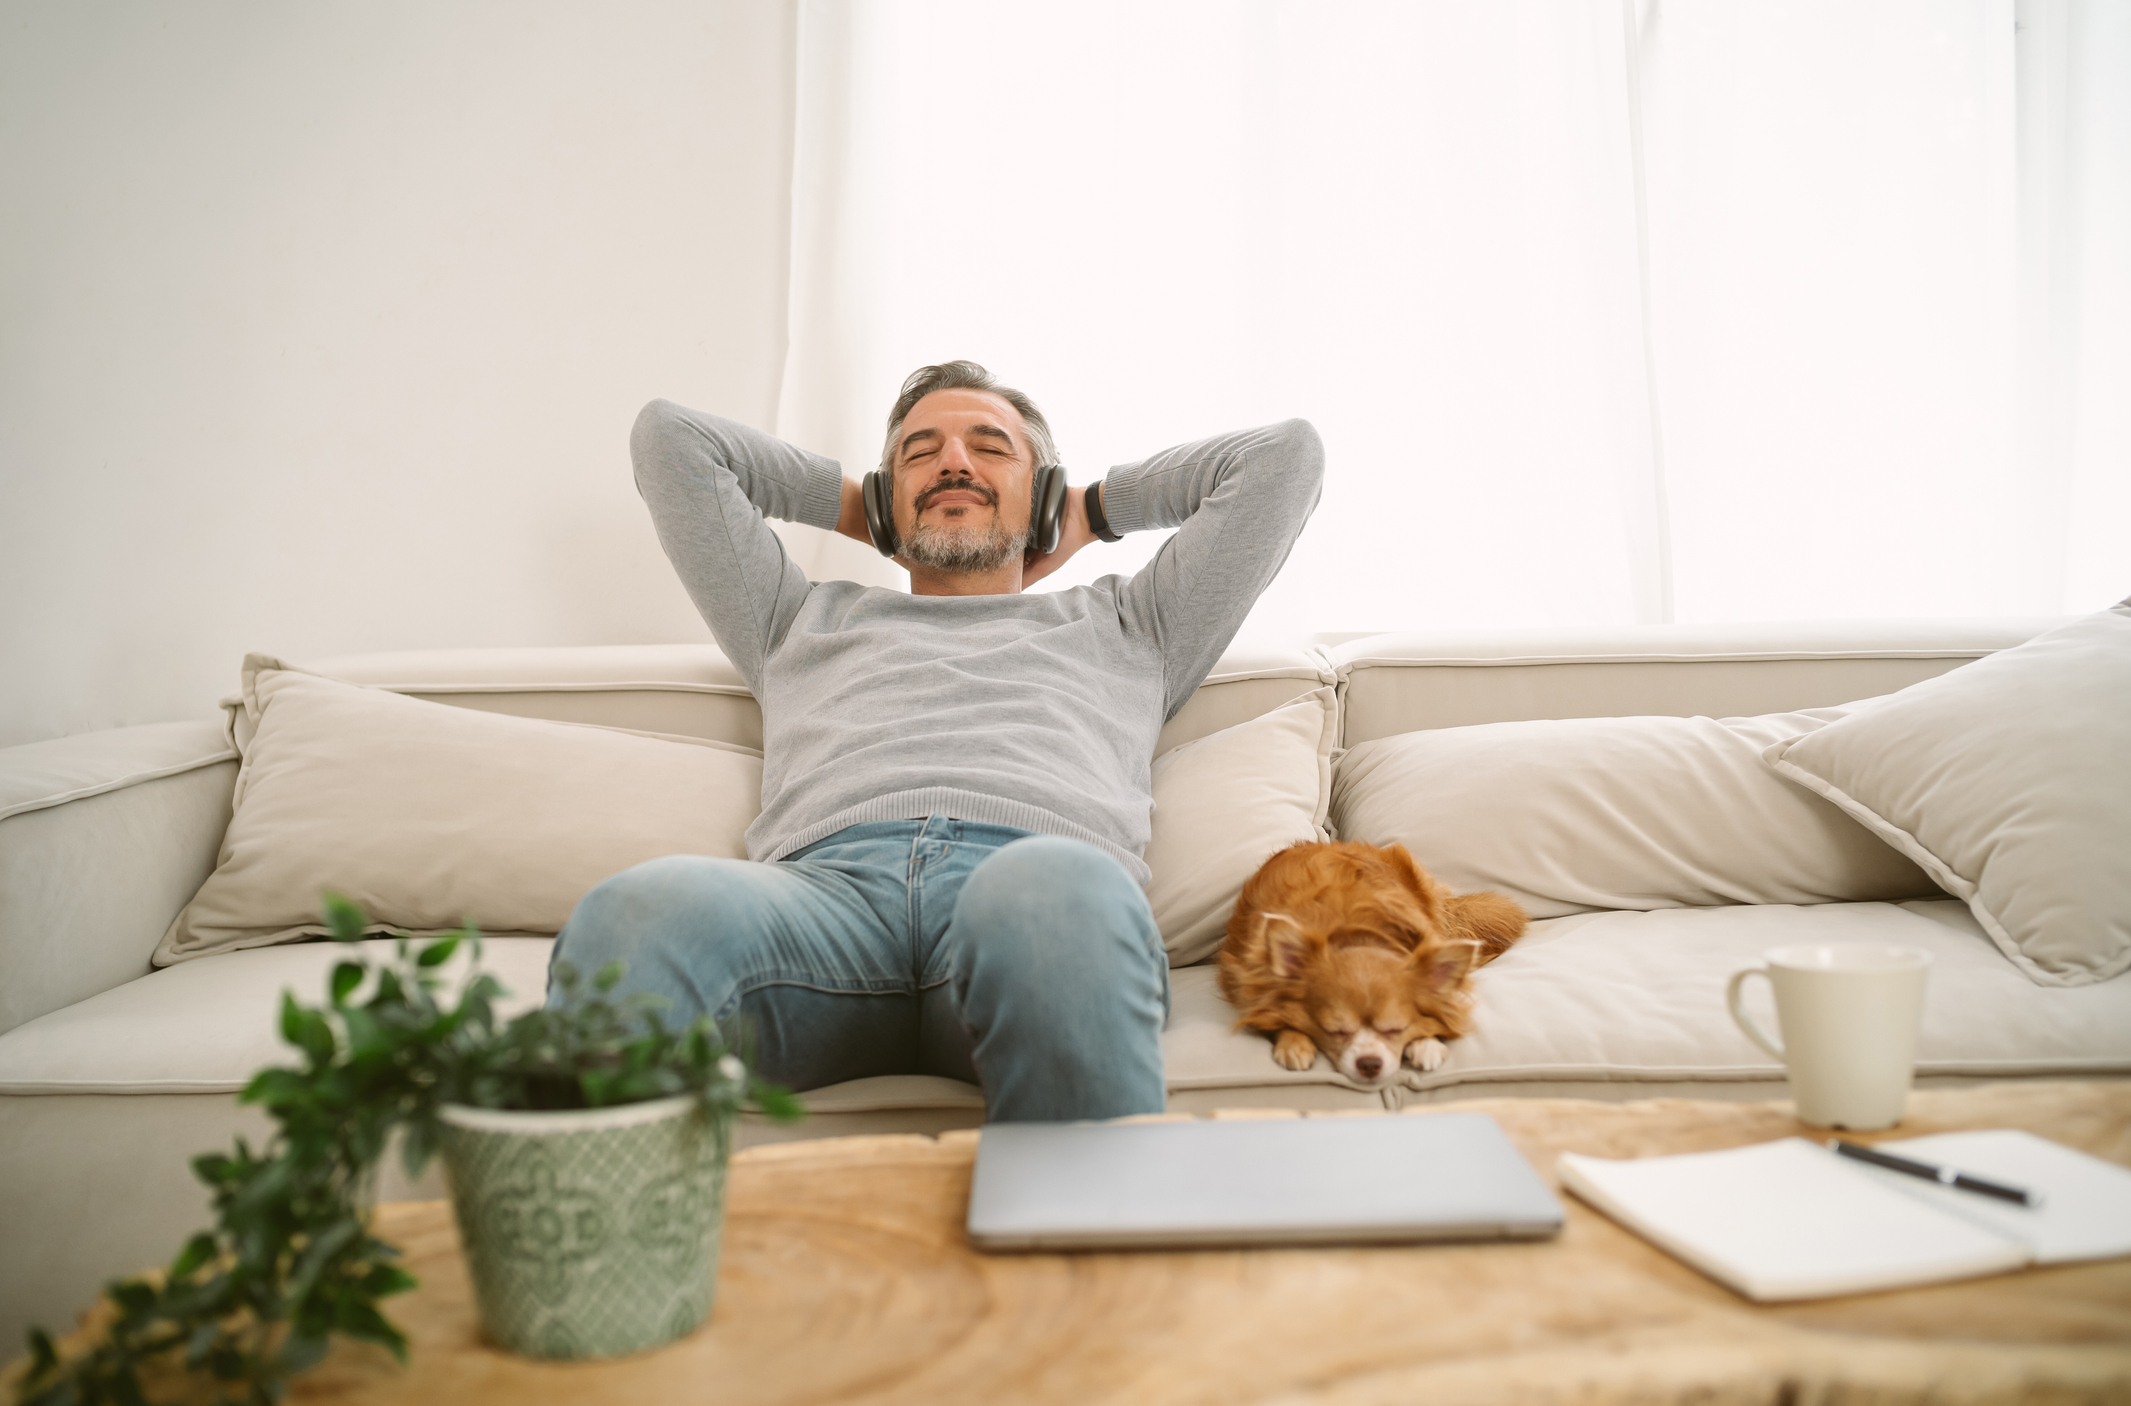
point(1738, 1012)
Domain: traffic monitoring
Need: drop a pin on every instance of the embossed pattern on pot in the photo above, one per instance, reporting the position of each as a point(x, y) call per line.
point(588, 1240)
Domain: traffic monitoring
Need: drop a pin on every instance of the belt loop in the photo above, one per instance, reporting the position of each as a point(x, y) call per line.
point(917, 841)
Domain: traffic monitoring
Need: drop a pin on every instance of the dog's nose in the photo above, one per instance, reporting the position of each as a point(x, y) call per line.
point(1368, 1066)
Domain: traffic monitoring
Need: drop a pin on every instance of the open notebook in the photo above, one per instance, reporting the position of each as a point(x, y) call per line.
point(1791, 1220)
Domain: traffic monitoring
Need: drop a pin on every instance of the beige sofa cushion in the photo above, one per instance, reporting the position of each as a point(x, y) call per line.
point(2010, 781)
point(1616, 813)
point(429, 816)
point(1223, 803)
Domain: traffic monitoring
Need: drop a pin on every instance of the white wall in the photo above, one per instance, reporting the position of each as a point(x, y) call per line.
point(322, 326)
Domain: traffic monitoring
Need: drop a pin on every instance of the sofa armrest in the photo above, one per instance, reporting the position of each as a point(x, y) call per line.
point(103, 838)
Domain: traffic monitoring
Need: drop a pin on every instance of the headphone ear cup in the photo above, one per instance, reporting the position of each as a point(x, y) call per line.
point(877, 491)
point(1047, 521)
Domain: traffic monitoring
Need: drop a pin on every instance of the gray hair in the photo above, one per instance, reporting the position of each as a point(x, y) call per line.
point(967, 376)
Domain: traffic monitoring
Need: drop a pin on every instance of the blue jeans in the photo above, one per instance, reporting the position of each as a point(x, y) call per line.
point(1027, 964)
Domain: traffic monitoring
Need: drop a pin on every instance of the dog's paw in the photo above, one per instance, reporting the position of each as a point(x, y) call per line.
point(1294, 1050)
point(1428, 1054)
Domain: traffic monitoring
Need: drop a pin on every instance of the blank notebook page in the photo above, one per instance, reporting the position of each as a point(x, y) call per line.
point(1787, 1220)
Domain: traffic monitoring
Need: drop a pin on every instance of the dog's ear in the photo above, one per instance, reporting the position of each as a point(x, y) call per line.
point(1288, 948)
point(1444, 967)
point(1425, 890)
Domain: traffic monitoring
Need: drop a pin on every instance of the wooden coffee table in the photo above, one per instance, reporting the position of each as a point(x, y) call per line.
point(847, 1277)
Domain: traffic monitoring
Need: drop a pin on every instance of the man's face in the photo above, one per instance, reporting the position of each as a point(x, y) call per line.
point(962, 471)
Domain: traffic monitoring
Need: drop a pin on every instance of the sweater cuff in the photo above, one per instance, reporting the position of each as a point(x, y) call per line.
point(1122, 506)
point(821, 496)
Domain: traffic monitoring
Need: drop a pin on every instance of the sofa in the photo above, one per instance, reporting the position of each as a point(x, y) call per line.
point(1534, 762)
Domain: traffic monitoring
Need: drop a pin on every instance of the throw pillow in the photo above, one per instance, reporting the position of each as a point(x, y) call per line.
point(2008, 779)
point(1223, 803)
point(428, 815)
point(1579, 814)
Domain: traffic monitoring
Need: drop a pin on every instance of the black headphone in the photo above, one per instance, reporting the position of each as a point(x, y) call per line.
point(1047, 495)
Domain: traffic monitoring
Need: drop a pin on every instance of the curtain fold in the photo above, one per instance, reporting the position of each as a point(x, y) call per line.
point(1608, 310)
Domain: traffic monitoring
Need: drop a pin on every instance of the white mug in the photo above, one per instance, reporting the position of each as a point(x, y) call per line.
point(1849, 1015)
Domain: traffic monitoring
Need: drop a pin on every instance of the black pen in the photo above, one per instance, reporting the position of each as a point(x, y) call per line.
point(1944, 1176)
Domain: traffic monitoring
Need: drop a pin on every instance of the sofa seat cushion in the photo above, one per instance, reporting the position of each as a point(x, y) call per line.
point(1594, 998)
point(1639, 996)
point(207, 1026)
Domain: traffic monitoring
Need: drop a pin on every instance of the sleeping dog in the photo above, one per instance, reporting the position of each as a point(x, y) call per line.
point(1357, 951)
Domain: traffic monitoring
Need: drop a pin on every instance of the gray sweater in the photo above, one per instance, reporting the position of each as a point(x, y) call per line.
point(1038, 710)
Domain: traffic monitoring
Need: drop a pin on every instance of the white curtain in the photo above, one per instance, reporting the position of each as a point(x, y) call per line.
point(1607, 310)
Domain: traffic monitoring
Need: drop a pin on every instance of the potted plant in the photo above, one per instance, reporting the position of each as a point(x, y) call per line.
point(586, 1147)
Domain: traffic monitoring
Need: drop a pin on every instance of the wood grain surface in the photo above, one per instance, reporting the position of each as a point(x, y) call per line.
point(847, 1277)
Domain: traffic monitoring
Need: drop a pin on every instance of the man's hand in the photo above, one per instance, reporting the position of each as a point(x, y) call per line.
point(1073, 534)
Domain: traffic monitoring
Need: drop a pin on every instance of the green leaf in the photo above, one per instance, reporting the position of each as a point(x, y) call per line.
point(437, 953)
point(134, 1297)
point(43, 1356)
point(417, 1146)
point(125, 1387)
point(301, 1350)
point(777, 1103)
point(201, 1343)
point(362, 1320)
point(318, 1254)
point(346, 977)
point(306, 1029)
point(609, 976)
point(385, 1280)
point(343, 918)
point(272, 1086)
point(198, 1251)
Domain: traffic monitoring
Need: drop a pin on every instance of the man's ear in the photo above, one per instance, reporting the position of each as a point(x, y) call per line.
point(1288, 948)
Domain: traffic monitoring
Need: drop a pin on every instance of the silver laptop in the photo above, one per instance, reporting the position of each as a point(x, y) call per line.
point(1290, 1181)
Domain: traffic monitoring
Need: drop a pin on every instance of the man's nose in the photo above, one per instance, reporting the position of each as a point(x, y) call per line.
point(954, 460)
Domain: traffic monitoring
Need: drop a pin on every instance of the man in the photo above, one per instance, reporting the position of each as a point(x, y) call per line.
point(955, 782)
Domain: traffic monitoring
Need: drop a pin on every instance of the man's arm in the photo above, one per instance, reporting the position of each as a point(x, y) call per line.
point(710, 483)
point(1239, 501)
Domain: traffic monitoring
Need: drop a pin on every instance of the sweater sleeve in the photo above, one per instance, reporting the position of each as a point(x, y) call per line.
point(710, 483)
point(1240, 501)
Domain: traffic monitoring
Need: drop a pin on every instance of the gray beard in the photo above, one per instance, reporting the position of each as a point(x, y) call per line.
point(949, 548)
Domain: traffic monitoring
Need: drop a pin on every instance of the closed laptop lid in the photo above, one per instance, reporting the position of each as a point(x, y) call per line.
point(1292, 1181)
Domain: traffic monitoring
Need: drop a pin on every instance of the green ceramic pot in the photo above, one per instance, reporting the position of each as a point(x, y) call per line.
point(589, 1233)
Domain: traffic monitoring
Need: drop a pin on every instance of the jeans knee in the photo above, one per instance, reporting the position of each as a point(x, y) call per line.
point(651, 918)
point(1061, 909)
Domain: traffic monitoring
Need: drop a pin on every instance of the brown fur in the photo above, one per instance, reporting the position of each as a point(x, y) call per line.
point(1346, 946)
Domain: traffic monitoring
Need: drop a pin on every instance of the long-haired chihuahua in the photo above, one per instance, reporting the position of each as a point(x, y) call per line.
point(1357, 951)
